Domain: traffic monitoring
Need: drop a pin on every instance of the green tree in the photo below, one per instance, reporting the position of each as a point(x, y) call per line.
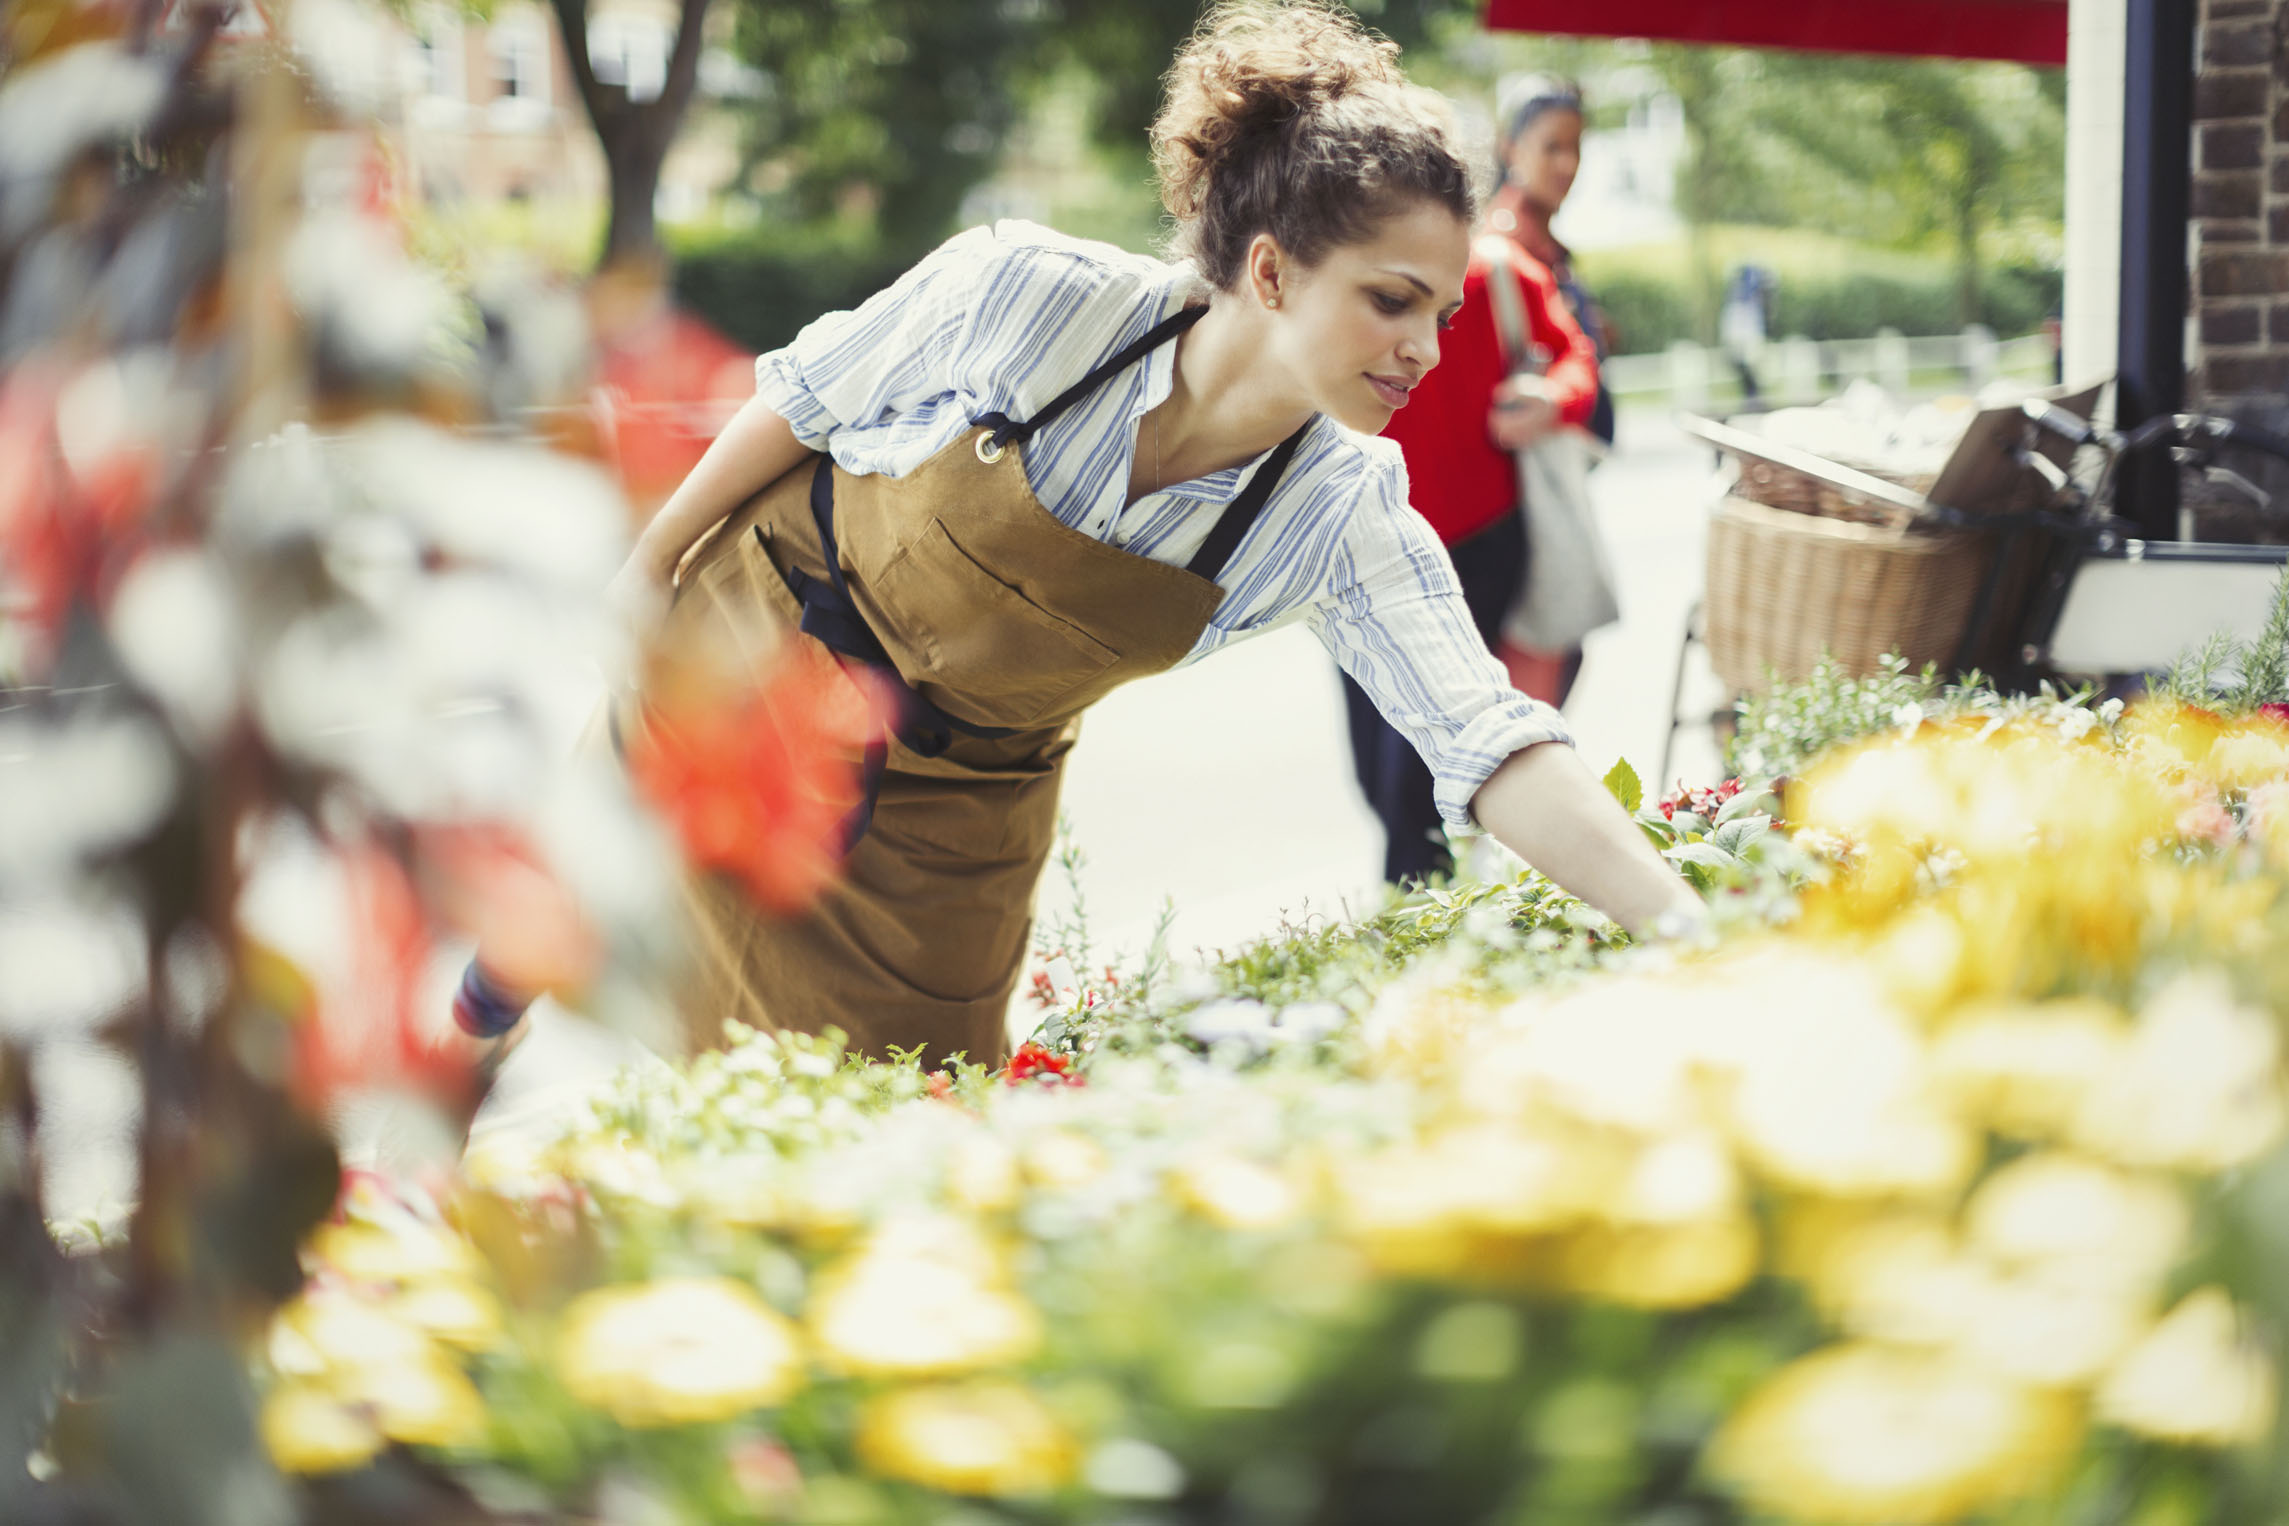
point(635, 135)
point(894, 109)
point(1914, 151)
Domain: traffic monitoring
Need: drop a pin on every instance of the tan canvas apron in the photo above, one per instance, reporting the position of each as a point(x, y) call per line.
point(997, 618)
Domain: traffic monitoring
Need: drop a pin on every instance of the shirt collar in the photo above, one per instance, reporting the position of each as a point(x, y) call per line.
point(1159, 378)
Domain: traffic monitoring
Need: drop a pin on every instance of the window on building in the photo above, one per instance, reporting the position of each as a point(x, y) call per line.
point(629, 50)
point(518, 44)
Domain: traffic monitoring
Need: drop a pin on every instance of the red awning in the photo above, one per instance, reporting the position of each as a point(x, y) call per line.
point(2020, 31)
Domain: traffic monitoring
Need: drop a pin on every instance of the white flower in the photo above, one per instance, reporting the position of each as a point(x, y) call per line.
point(1238, 1018)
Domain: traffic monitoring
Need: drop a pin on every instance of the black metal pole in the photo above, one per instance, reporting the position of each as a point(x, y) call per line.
point(2157, 175)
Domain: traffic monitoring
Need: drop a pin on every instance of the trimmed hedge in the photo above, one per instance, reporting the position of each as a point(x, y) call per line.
point(1652, 307)
point(760, 285)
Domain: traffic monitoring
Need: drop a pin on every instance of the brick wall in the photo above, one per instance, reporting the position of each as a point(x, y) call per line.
point(2239, 345)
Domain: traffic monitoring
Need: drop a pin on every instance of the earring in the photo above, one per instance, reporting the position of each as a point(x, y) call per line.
point(1271, 302)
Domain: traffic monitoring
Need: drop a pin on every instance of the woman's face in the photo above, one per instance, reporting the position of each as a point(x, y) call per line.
point(1361, 328)
point(1545, 157)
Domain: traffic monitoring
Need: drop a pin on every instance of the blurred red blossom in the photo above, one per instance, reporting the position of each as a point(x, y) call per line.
point(366, 1025)
point(1035, 1062)
point(76, 479)
point(489, 882)
point(760, 783)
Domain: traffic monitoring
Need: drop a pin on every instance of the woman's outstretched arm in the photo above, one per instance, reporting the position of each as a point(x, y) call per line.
point(1545, 805)
point(755, 450)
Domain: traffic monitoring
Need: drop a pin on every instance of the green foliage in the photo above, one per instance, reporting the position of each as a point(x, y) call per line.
point(760, 285)
point(2231, 675)
point(1827, 288)
point(1622, 780)
point(902, 104)
point(888, 112)
point(1791, 724)
point(1786, 726)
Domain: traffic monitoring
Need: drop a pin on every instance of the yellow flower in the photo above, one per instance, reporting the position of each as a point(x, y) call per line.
point(2074, 1222)
point(308, 1429)
point(453, 1311)
point(1838, 1103)
point(1667, 1266)
point(992, 1439)
point(1234, 1193)
point(1872, 1434)
point(1471, 1203)
point(2194, 1379)
point(743, 1192)
point(2197, 1088)
point(2027, 1069)
point(2245, 758)
point(405, 1250)
point(924, 1297)
point(429, 1403)
point(1611, 1052)
point(982, 1175)
point(677, 1351)
point(1921, 955)
point(325, 1426)
point(327, 1330)
point(1682, 1178)
point(2044, 1332)
point(1064, 1161)
point(1894, 1276)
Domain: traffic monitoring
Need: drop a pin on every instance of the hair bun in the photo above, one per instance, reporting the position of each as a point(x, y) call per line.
point(1253, 68)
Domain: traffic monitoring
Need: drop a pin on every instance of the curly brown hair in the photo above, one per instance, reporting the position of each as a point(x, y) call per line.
point(1288, 117)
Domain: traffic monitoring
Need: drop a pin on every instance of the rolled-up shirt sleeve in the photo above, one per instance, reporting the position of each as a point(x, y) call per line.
point(1395, 621)
point(888, 356)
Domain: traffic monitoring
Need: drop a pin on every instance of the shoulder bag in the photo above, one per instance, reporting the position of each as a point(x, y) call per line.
point(1569, 586)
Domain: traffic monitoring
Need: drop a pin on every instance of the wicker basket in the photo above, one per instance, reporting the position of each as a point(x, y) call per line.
point(1780, 487)
point(1784, 587)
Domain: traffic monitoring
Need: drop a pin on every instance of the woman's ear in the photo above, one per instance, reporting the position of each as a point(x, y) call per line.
point(1266, 270)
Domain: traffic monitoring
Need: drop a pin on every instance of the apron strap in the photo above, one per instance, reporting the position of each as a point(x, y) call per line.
point(1005, 429)
point(1241, 513)
point(831, 615)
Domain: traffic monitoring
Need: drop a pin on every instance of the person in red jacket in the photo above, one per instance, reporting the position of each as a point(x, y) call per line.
point(1458, 432)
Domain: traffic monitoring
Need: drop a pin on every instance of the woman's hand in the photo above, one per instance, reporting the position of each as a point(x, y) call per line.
point(1545, 805)
point(1522, 413)
point(634, 601)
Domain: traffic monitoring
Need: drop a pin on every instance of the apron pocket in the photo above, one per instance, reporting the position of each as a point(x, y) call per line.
point(983, 651)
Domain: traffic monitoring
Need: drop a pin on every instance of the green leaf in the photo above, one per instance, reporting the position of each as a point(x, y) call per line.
point(1704, 854)
point(1621, 779)
point(1657, 827)
point(1747, 803)
point(1735, 836)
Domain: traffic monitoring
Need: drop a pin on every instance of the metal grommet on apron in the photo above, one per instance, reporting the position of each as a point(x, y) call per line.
point(996, 625)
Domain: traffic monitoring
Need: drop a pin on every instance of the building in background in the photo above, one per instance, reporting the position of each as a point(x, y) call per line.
point(474, 111)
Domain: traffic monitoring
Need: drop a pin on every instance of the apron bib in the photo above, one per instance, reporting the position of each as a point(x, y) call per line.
point(998, 624)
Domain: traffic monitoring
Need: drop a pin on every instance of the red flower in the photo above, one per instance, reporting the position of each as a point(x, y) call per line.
point(1033, 1062)
point(365, 1024)
point(941, 1085)
point(489, 882)
point(2275, 711)
point(68, 519)
point(759, 785)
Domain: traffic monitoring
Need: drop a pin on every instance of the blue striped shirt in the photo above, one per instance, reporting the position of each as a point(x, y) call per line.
point(1002, 319)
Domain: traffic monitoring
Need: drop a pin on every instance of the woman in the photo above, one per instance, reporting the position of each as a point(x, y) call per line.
point(1458, 433)
point(1035, 468)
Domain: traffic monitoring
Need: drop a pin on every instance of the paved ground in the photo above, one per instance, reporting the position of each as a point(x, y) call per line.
point(1225, 788)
